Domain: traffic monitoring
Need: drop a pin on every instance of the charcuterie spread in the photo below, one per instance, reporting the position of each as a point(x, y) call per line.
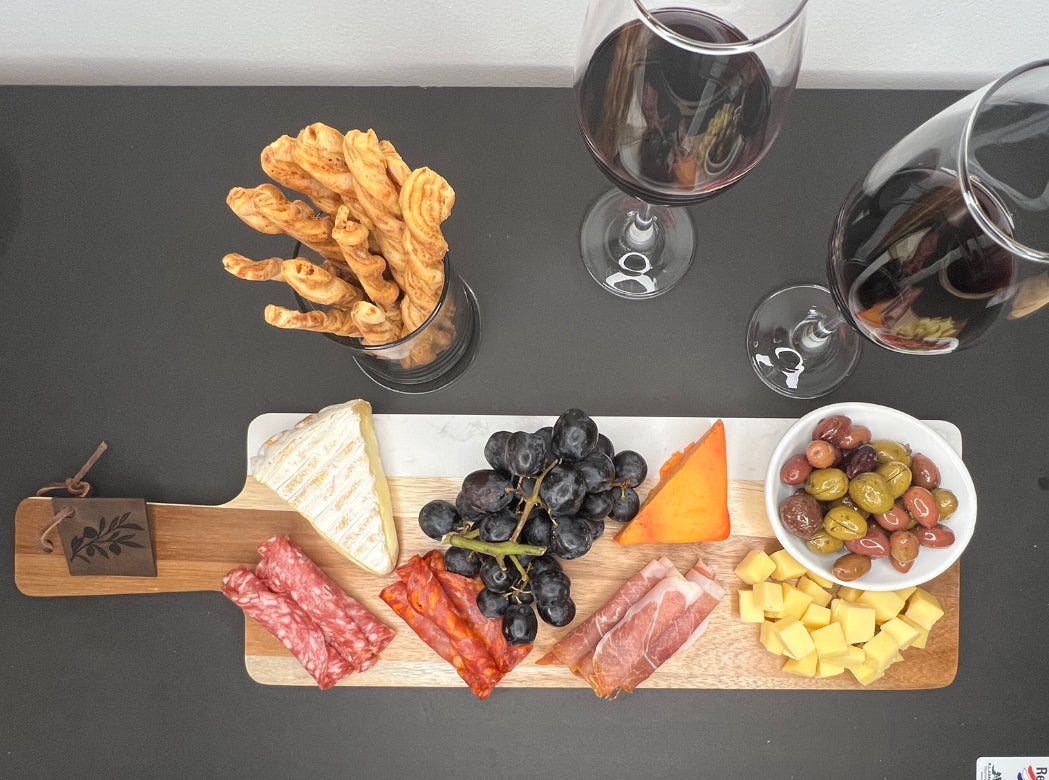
point(510, 575)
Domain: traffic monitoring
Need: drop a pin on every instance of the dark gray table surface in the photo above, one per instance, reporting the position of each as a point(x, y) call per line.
point(119, 323)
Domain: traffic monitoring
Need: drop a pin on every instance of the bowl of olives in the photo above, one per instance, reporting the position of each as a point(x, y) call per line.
point(868, 496)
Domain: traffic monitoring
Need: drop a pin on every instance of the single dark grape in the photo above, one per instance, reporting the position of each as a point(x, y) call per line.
point(604, 444)
point(572, 538)
point(537, 528)
point(597, 527)
point(525, 453)
point(466, 510)
point(494, 577)
point(558, 613)
point(546, 433)
point(550, 585)
point(438, 518)
point(596, 506)
point(597, 471)
point(574, 435)
point(520, 624)
point(495, 451)
point(462, 561)
point(624, 505)
point(491, 603)
point(631, 468)
point(542, 563)
point(497, 526)
point(562, 490)
point(522, 595)
point(487, 490)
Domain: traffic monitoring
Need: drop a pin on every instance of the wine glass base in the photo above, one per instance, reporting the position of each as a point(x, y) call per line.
point(630, 263)
point(790, 353)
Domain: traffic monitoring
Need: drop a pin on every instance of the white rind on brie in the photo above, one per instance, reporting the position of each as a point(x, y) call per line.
point(328, 468)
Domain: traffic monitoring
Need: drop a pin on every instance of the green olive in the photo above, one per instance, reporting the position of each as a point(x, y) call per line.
point(947, 501)
point(846, 500)
point(823, 543)
point(897, 474)
point(871, 491)
point(827, 484)
point(887, 451)
point(844, 523)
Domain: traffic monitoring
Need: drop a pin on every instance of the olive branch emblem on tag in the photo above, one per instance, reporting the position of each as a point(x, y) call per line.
point(106, 539)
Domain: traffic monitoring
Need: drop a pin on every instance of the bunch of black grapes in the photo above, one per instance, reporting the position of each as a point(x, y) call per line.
point(550, 491)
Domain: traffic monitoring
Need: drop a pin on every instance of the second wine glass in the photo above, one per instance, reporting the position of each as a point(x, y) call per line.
point(676, 101)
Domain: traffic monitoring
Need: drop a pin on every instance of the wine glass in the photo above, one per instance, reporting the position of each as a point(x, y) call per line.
point(676, 101)
point(946, 233)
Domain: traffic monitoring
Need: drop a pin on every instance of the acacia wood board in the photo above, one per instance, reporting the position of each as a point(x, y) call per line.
point(426, 457)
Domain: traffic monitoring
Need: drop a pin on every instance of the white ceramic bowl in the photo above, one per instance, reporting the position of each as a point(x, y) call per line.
point(885, 423)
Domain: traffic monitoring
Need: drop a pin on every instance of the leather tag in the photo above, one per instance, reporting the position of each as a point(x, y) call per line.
point(107, 537)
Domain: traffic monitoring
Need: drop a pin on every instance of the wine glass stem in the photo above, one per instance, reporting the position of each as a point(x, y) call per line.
point(815, 331)
point(642, 230)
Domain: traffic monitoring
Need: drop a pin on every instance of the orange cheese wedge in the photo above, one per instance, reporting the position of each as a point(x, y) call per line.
point(690, 502)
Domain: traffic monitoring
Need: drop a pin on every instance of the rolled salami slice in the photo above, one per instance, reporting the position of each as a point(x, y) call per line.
point(287, 621)
point(286, 569)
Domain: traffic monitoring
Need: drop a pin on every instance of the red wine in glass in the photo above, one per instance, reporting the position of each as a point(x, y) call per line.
point(670, 125)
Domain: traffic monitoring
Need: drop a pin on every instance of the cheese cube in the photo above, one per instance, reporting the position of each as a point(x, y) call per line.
point(755, 567)
point(819, 579)
point(830, 641)
point(923, 608)
point(866, 674)
point(749, 612)
point(852, 658)
point(815, 617)
point(787, 567)
point(880, 650)
point(768, 596)
point(923, 632)
point(794, 602)
point(904, 633)
point(849, 594)
point(797, 642)
point(857, 621)
point(770, 639)
point(828, 668)
point(905, 593)
point(818, 594)
point(805, 667)
point(886, 604)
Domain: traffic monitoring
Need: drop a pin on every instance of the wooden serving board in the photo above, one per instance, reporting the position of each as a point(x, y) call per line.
point(426, 457)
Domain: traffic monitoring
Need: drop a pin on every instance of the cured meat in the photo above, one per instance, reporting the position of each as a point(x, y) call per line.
point(628, 644)
point(463, 593)
point(441, 608)
point(286, 569)
point(574, 650)
point(680, 634)
point(287, 621)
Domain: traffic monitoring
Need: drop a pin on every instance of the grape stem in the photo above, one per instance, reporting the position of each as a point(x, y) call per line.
point(532, 501)
point(495, 549)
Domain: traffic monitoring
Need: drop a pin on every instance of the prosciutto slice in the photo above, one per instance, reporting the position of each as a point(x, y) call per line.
point(577, 647)
point(628, 645)
point(677, 636)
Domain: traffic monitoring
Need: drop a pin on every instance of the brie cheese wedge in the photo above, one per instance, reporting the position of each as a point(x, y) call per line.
point(327, 467)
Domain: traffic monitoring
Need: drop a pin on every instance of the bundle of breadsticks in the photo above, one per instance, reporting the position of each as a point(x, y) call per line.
point(375, 227)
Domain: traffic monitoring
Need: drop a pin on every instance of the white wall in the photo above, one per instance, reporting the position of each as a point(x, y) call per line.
point(852, 43)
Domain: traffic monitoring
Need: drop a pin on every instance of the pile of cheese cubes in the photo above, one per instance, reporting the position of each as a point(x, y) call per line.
point(821, 633)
